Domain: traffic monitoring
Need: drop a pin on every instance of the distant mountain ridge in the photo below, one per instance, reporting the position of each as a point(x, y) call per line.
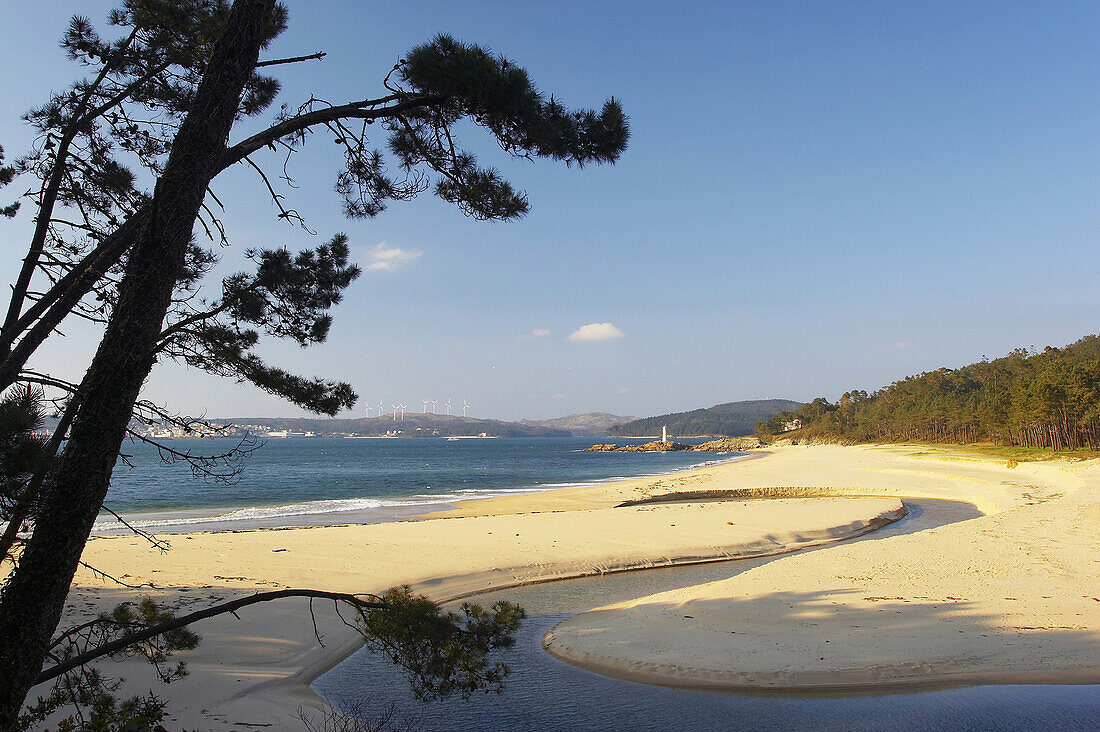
point(420, 424)
point(413, 424)
point(591, 424)
point(731, 419)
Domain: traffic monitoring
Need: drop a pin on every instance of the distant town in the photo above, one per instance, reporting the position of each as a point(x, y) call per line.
point(159, 432)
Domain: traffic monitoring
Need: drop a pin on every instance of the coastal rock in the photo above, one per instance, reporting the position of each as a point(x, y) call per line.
point(655, 446)
point(728, 444)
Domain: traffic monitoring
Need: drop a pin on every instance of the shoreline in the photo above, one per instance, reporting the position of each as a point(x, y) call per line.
point(555, 514)
point(469, 550)
point(318, 512)
point(853, 682)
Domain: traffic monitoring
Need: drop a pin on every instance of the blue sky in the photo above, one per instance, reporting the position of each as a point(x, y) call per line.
point(816, 197)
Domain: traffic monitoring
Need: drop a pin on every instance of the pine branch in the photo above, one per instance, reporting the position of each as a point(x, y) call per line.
point(231, 606)
point(293, 59)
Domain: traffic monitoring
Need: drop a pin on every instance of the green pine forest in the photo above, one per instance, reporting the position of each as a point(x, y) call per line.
point(1038, 399)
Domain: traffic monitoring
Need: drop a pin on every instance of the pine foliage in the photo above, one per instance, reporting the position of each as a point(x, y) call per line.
point(1043, 399)
point(121, 172)
point(442, 653)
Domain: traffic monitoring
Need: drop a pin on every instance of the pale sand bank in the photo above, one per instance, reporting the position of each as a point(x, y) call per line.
point(255, 670)
point(447, 558)
point(1008, 597)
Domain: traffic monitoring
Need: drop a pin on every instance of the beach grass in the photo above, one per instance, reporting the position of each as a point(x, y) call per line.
point(991, 451)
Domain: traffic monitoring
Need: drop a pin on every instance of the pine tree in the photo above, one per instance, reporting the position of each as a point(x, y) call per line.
point(131, 260)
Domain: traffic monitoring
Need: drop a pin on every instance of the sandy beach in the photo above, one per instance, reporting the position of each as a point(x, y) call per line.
point(1007, 598)
point(1019, 582)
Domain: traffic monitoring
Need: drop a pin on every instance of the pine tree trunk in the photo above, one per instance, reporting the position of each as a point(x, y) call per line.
point(34, 597)
point(24, 506)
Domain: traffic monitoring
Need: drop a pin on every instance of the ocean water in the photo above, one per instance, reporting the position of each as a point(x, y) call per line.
point(294, 481)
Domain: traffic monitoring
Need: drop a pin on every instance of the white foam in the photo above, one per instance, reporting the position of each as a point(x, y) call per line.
point(252, 513)
point(350, 505)
point(303, 508)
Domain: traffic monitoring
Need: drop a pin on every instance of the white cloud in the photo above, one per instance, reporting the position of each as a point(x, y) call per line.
point(388, 259)
point(596, 332)
point(540, 332)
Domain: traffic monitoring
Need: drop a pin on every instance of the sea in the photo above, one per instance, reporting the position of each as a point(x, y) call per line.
point(325, 480)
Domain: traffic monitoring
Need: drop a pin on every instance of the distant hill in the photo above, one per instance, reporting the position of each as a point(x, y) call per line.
point(732, 419)
point(592, 424)
point(414, 424)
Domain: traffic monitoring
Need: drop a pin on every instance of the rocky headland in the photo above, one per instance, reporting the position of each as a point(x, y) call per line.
point(726, 444)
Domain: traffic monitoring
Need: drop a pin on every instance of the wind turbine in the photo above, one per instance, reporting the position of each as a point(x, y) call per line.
point(394, 412)
point(425, 405)
point(380, 412)
point(368, 411)
point(448, 406)
point(465, 404)
point(434, 402)
point(403, 408)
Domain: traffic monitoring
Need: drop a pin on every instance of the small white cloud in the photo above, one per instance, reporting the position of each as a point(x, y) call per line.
point(388, 259)
point(596, 332)
point(536, 333)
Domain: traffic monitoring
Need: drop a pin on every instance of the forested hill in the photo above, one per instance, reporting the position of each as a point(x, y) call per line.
point(732, 419)
point(1048, 399)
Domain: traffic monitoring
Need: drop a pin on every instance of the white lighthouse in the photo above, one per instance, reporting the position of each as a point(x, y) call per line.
point(664, 433)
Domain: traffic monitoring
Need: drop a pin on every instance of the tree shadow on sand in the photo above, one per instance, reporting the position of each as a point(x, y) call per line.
point(840, 639)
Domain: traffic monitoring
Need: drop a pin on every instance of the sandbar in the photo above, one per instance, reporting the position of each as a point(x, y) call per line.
point(1009, 597)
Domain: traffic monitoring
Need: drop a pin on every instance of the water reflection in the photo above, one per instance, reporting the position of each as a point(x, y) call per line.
point(544, 694)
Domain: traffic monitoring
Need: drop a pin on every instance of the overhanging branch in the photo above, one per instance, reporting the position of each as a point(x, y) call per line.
point(293, 59)
point(369, 109)
point(56, 303)
point(356, 601)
